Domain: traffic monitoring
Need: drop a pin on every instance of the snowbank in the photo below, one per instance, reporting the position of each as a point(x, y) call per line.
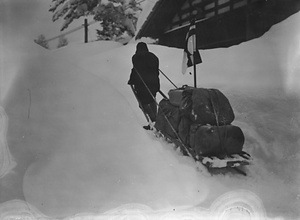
point(78, 144)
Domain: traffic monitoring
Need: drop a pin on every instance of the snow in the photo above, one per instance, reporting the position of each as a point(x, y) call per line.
point(76, 147)
point(147, 8)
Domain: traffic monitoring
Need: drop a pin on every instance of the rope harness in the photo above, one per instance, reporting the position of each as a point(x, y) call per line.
point(166, 118)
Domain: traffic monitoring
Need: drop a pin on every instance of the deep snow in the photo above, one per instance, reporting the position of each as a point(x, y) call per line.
point(76, 143)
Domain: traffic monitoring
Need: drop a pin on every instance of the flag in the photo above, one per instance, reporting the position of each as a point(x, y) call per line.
point(190, 49)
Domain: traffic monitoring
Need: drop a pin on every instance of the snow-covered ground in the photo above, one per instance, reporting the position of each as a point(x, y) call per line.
point(73, 145)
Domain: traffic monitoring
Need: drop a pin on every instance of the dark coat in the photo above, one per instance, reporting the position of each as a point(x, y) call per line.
point(145, 66)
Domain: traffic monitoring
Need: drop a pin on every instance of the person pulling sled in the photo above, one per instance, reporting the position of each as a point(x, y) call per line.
point(144, 81)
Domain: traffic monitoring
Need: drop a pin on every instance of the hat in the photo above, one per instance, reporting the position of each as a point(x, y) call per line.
point(141, 47)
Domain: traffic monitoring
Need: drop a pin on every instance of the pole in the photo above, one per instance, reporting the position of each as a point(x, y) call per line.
point(194, 52)
point(85, 30)
point(194, 61)
point(195, 78)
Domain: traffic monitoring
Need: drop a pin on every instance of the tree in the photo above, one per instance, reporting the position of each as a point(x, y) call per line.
point(62, 41)
point(116, 19)
point(115, 16)
point(41, 40)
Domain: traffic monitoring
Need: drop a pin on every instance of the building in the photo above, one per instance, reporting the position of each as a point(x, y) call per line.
point(219, 23)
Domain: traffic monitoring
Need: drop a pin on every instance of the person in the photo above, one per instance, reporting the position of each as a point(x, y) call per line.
point(145, 79)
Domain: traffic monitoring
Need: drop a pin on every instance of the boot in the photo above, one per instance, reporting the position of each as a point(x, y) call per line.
point(147, 127)
point(151, 111)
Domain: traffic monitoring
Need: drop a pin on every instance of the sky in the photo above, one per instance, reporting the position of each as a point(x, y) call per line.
point(25, 19)
point(28, 19)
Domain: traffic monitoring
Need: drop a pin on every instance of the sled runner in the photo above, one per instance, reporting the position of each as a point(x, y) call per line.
point(233, 161)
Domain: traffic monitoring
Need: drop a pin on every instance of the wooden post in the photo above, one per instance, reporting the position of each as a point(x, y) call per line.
point(194, 53)
point(85, 30)
point(195, 71)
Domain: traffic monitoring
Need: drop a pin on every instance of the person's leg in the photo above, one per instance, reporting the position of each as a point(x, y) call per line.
point(148, 106)
point(151, 110)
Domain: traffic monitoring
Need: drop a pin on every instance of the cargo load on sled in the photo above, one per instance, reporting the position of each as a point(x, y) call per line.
point(199, 121)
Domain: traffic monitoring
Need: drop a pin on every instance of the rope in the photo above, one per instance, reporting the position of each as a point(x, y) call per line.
point(168, 78)
point(168, 121)
point(163, 95)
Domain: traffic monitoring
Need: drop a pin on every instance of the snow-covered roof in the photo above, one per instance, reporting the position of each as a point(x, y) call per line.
point(220, 24)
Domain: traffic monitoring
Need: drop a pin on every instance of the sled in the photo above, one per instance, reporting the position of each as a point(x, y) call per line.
point(169, 131)
point(209, 138)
